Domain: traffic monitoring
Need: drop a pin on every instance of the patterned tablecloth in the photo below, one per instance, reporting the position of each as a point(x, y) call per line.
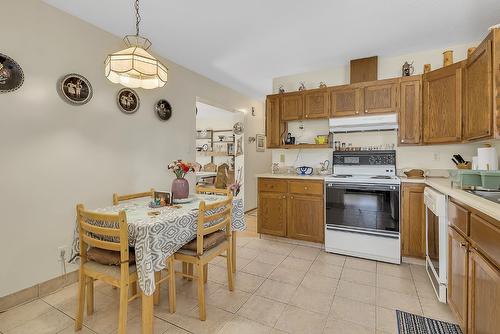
point(155, 238)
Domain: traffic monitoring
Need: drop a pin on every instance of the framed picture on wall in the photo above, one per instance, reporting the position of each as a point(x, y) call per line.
point(260, 142)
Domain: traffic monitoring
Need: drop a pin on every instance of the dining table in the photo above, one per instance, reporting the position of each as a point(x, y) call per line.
point(155, 237)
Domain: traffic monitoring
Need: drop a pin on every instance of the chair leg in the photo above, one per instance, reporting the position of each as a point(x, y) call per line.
point(184, 269)
point(156, 296)
point(205, 272)
point(233, 250)
point(190, 271)
point(229, 270)
point(90, 295)
point(171, 284)
point(122, 315)
point(201, 292)
point(81, 301)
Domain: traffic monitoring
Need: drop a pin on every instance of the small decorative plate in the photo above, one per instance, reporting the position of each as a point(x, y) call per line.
point(163, 110)
point(75, 89)
point(11, 74)
point(188, 199)
point(128, 101)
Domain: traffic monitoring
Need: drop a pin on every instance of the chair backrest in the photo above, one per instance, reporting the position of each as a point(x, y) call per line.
point(210, 167)
point(206, 190)
point(222, 176)
point(119, 198)
point(213, 217)
point(102, 230)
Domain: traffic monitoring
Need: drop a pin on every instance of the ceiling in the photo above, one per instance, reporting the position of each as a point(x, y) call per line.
point(244, 44)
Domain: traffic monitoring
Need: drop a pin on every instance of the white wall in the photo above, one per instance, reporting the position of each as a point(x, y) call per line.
point(388, 67)
point(54, 155)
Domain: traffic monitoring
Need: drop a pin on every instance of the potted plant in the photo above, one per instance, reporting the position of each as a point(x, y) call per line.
point(180, 186)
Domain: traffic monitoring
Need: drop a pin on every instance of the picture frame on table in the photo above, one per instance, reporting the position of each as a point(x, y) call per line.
point(163, 195)
point(260, 143)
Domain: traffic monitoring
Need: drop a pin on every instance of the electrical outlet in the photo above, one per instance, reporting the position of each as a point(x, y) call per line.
point(437, 156)
point(62, 253)
point(282, 157)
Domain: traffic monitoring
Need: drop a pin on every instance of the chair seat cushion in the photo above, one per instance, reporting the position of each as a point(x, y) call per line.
point(113, 271)
point(209, 241)
point(108, 257)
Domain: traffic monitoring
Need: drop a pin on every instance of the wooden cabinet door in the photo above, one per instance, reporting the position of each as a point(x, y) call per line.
point(305, 218)
point(478, 108)
point(381, 97)
point(442, 109)
point(484, 295)
point(346, 101)
point(271, 217)
point(292, 106)
point(458, 263)
point(316, 104)
point(410, 112)
point(413, 225)
point(274, 126)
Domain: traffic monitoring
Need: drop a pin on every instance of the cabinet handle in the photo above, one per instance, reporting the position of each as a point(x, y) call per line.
point(402, 140)
point(291, 197)
point(305, 188)
point(366, 111)
point(357, 112)
point(463, 245)
point(307, 116)
point(284, 197)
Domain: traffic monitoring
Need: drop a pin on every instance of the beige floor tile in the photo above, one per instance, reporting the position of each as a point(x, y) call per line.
point(306, 253)
point(287, 275)
point(46, 323)
point(230, 301)
point(241, 242)
point(258, 268)
point(247, 253)
point(361, 264)
point(189, 289)
point(280, 248)
point(217, 274)
point(277, 331)
point(184, 304)
point(320, 283)
point(176, 330)
point(270, 258)
point(241, 262)
point(135, 326)
point(71, 330)
point(22, 314)
point(338, 326)
point(398, 301)
point(398, 270)
point(359, 292)
point(359, 276)
point(296, 263)
point(396, 284)
point(247, 282)
point(216, 319)
point(262, 310)
point(353, 311)
point(419, 273)
point(386, 320)
point(277, 290)
point(425, 289)
point(105, 320)
point(325, 269)
point(434, 309)
point(330, 258)
point(311, 300)
point(297, 320)
point(242, 325)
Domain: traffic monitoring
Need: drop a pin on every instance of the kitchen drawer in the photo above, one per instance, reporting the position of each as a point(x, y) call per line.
point(458, 217)
point(485, 236)
point(272, 185)
point(306, 187)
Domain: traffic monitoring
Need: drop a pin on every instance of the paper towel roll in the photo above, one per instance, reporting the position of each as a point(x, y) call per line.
point(474, 163)
point(487, 158)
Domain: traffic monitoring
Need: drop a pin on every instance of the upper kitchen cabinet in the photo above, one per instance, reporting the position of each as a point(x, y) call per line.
point(274, 126)
point(316, 104)
point(478, 108)
point(292, 106)
point(442, 105)
point(380, 96)
point(346, 101)
point(410, 111)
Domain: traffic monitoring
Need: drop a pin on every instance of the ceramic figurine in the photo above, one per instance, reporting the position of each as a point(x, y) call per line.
point(302, 86)
point(281, 89)
point(322, 85)
point(408, 69)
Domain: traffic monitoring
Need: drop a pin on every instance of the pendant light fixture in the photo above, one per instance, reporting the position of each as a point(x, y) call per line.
point(134, 67)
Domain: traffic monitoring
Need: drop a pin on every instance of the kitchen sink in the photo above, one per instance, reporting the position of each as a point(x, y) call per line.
point(491, 195)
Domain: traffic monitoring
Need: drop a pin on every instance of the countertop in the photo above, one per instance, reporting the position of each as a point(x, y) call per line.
point(291, 176)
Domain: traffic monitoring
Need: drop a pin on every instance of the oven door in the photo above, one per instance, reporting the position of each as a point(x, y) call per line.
point(363, 208)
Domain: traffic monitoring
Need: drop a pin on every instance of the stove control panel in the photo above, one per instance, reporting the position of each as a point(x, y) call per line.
point(364, 158)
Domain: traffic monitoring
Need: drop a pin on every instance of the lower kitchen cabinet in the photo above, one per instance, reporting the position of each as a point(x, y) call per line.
point(458, 261)
point(291, 208)
point(413, 224)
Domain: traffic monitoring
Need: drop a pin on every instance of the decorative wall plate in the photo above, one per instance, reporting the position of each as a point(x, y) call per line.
point(238, 128)
point(163, 110)
point(128, 101)
point(75, 89)
point(11, 74)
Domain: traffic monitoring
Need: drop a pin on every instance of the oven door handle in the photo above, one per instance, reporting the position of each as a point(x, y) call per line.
point(363, 186)
point(380, 234)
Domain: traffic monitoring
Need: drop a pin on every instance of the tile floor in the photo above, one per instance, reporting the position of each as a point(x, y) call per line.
point(279, 288)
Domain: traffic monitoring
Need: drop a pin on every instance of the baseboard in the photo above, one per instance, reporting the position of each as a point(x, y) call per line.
point(292, 241)
point(248, 211)
point(37, 291)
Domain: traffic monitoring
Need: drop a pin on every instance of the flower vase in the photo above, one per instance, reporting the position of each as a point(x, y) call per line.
point(180, 188)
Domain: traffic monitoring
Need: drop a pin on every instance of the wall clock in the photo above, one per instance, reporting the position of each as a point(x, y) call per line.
point(163, 110)
point(75, 89)
point(128, 101)
point(11, 74)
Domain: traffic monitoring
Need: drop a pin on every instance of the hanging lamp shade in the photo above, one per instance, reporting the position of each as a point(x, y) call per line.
point(134, 67)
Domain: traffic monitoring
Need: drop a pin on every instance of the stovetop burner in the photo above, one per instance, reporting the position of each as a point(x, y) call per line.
point(382, 177)
point(342, 176)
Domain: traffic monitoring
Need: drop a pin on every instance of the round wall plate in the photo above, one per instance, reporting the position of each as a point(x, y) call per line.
point(75, 89)
point(163, 110)
point(11, 74)
point(128, 101)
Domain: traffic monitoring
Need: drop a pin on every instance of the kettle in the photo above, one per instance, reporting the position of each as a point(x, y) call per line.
point(304, 170)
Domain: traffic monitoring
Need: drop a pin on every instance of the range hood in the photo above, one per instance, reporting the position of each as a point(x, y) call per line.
point(364, 123)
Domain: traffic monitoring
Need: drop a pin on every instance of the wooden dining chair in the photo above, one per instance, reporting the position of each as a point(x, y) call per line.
point(120, 198)
point(211, 241)
point(224, 192)
point(221, 180)
point(105, 256)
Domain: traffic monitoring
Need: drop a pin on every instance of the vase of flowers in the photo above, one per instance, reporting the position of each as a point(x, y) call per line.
point(180, 186)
